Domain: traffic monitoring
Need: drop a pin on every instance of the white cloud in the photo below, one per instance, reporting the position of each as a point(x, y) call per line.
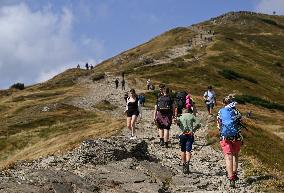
point(36, 45)
point(268, 6)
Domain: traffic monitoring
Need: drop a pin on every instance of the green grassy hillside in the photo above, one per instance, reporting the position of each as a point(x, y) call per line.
point(246, 57)
point(241, 53)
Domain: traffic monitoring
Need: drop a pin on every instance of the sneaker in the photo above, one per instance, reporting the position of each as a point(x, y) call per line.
point(232, 184)
point(236, 178)
point(162, 143)
point(133, 137)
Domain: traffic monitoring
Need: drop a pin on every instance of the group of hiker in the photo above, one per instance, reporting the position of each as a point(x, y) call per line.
point(87, 66)
point(116, 82)
point(182, 111)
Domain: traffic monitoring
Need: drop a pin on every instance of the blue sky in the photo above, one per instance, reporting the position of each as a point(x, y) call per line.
point(41, 38)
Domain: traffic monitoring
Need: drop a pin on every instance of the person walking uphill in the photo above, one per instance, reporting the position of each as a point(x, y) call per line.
point(163, 115)
point(210, 99)
point(185, 122)
point(228, 122)
point(123, 84)
point(133, 109)
point(116, 83)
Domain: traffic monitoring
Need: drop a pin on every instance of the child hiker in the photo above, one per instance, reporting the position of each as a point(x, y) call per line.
point(185, 123)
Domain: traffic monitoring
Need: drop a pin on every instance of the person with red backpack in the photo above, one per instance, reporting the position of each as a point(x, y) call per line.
point(229, 122)
point(163, 115)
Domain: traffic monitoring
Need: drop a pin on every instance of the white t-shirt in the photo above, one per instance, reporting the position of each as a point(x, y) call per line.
point(210, 96)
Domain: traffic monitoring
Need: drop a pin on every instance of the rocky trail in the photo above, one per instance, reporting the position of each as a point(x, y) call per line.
point(121, 165)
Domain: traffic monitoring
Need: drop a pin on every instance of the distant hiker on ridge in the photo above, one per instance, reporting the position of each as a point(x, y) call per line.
point(210, 99)
point(229, 124)
point(116, 83)
point(163, 115)
point(133, 109)
point(87, 66)
point(78, 66)
point(149, 83)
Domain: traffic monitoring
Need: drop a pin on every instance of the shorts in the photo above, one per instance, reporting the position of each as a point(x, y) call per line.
point(210, 106)
point(131, 113)
point(186, 142)
point(231, 147)
point(164, 121)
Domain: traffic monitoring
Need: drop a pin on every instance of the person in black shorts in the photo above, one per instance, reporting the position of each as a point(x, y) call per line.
point(132, 111)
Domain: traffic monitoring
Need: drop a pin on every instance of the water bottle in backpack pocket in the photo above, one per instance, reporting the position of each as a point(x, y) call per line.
point(228, 125)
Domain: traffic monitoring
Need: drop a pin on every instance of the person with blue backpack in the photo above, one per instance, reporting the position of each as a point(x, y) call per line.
point(228, 122)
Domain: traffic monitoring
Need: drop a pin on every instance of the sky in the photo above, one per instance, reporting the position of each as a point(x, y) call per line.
point(41, 38)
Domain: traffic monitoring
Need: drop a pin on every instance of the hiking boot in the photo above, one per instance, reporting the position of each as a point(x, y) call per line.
point(232, 183)
point(185, 168)
point(236, 178)
point(166, 144)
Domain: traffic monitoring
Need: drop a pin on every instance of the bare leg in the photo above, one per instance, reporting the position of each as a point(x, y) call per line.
point(229, 164)
point(161, 133)
point(133, 120)
point(183, 157)
point(128, 122)
point(166, 135)
point(235, 163)
point(188, 156)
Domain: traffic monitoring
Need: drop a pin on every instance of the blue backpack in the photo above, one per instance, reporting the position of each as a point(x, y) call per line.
point(228, 124)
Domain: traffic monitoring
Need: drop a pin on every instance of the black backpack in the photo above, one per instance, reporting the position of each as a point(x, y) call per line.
point(164, 103)
point(181, 99)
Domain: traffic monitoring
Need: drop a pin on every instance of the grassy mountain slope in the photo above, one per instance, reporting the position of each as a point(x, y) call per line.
point(39, 120)
point(245, 57)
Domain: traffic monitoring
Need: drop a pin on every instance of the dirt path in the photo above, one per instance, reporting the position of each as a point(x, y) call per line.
point(207, 165)
point(121, 165)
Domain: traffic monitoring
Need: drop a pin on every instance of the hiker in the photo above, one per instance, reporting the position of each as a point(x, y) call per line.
point(210, 99)
point(123, 84)
point(141, 99)
point(92, 67)
point(163, 115)
point(132, 111)
point(87, 66)
point(190, 104)
point(152, 87)
point(78, 66)
point(149, 84)
point(184, 100)
point(122, 74)
point(229, 122)
point(116, 83)
point(186, 138)
point(125, 97)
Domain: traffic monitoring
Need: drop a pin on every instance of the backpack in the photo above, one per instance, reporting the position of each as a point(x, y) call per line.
point(228, 125)
point(164, 103)
point(181, 99)
point(188, 102)
point(141, 98)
